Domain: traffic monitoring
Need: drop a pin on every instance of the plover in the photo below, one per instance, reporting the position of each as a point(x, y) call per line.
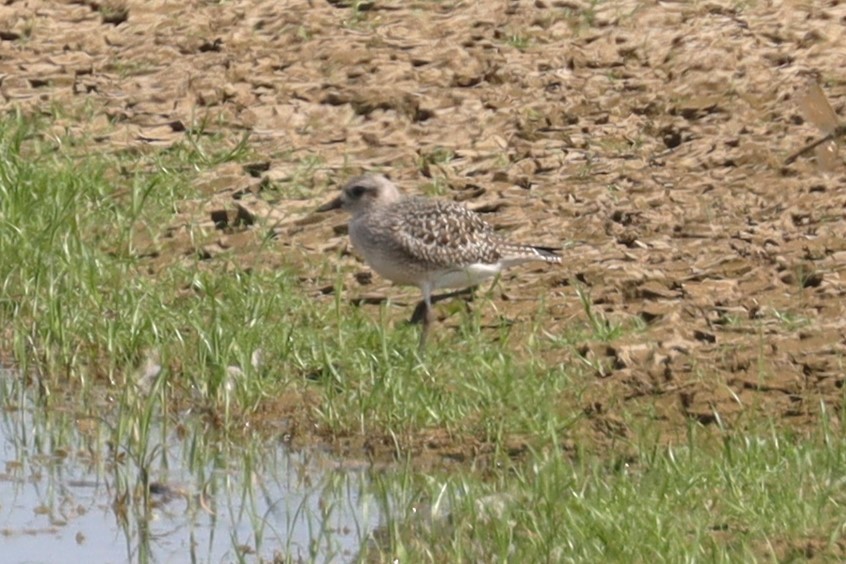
point(425, 242)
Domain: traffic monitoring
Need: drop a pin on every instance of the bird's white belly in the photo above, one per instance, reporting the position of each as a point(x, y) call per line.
point(405, 274)
point(394, 270)
point(470, 275)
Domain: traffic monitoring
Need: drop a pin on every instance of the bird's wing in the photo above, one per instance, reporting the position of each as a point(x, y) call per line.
point(445, 234)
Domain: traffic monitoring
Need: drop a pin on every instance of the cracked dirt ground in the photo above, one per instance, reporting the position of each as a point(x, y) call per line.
point(653, 133)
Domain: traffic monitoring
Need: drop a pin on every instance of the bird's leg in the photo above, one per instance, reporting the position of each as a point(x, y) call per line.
point(494, 284)
point(419, 313)
point(427, 315)
point(420, 310)
point(470, 291)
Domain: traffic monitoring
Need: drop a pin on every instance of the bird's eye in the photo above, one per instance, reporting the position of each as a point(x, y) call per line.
point(357, 191)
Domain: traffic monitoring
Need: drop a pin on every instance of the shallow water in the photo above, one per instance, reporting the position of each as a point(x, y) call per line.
point(66, 494)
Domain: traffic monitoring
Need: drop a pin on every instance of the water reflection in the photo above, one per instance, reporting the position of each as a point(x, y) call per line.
point(68, 493)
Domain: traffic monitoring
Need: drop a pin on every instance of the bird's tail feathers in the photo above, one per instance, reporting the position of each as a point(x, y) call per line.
point(516, 254)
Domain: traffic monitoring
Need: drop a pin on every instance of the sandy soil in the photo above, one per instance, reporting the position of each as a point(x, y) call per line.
point(654, 134)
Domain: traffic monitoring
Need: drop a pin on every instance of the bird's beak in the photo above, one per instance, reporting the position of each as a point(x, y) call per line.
point(333, 205)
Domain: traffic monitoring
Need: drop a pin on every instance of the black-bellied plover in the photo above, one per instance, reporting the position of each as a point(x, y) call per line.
point(424, 242)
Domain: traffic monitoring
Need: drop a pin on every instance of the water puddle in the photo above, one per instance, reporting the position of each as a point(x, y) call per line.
point(67, 493)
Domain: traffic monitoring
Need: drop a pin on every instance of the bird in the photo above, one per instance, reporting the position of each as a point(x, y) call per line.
point(426, 242)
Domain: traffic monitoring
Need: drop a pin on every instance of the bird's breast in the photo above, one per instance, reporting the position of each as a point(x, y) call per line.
point(381, 255)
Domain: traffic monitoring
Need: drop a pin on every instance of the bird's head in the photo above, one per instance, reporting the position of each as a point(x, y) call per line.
point(363, 193)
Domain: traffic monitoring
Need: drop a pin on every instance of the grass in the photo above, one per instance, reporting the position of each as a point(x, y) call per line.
point(739, 499)
point(519, 41)
point(84, 320)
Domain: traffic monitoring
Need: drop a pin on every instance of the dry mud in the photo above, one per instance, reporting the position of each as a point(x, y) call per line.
point(651, 133)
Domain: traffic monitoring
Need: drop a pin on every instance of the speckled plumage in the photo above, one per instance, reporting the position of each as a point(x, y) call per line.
point(440, 234)
point(426, 242)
